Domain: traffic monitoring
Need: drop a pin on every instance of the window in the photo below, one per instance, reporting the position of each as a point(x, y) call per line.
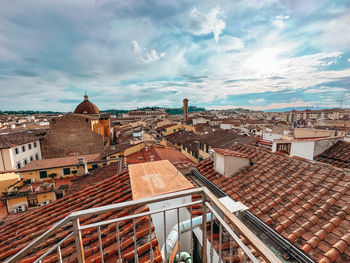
point(43, 174)
point(23, 148)
point(25, 162)
point(29, 146)
point(94, 166)
point(66, 171)
point(201, 146)
point(18, 165)
point(31, 158)
point(37, 156)
point(207, 148)
point(16, 151)
point(34, 144)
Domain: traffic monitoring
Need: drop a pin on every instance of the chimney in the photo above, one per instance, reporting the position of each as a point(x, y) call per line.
point(185, 102)
point(82, 166)
point(120, 163)
point(228, 163)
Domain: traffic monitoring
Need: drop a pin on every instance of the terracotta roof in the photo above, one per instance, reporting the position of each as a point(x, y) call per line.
point(305, 201)
point(228, 152)
point(337, 155)
point(18, 138)
point(16, 234)
point(159, 153)
point(221, 138)
point(182, 137)
point(117, 148)
point(59, 162)
point(86, 107)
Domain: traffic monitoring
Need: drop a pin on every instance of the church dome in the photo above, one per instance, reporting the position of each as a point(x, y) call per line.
point(86, 107)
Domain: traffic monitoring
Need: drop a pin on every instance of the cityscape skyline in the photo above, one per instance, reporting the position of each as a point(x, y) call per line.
point(252, 54)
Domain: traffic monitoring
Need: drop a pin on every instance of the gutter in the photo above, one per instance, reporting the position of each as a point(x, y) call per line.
point(282, 242)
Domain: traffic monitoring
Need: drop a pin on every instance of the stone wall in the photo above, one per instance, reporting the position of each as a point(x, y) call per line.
point(322, 145)
point(69, 135)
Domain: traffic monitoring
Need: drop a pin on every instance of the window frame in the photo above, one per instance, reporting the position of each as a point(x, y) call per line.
point(43, 174)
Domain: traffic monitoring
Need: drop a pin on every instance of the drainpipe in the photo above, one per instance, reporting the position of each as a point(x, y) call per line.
point(173, 236)
point(2, 158)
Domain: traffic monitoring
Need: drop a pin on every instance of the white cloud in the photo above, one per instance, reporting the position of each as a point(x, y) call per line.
point(323, 89)
point(256, 101)
point(299, 103)
point(335, 32)
point(144, 56)
point(279, 21)
point(203, 24)
point(228, 43)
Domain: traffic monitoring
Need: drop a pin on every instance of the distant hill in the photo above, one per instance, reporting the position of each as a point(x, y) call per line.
point(172, 111)
point(175, 111)
point(115, 112)
point(296, 108)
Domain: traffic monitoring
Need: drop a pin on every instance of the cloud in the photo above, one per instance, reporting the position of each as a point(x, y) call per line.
point(137, 54)
point(26, 73)
point(229, 43)
point(272, 106)
point(257, 101)
point(204, 24)
point(146, 56)
point(279, 21)
point(323, 89)
point(335, 31)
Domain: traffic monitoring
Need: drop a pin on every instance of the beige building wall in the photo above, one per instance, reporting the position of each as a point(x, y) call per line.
point(189, 155)
point(17, 201)
point(58, 171)
point(229, 165)
point(5, 160)
point(7, 179)
point(49, 196)
point(311, 133)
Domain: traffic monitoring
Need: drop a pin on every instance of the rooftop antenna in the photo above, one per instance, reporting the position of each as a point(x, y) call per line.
point(341, 102)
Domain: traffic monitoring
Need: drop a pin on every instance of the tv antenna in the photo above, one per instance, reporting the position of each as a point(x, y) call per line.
point(341, 102)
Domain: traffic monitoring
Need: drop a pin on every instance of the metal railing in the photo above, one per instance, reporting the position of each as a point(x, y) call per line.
point(230, 227)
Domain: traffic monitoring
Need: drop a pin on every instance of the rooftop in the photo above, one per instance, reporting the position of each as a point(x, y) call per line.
point(86, 107)
point(305, 201)
point(13, 139)
point(17, 234)
point(156, 178)
point(337, 155)
point(59, 162)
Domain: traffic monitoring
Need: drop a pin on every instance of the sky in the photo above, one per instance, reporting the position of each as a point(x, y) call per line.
point(255, 54)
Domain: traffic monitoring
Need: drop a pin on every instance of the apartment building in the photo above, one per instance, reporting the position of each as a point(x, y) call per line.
point(18, 149)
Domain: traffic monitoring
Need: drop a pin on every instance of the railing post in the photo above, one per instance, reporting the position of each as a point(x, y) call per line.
point(204, 226)
point(78, 241)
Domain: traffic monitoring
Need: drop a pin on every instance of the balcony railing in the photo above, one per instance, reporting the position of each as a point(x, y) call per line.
point(229, 227)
